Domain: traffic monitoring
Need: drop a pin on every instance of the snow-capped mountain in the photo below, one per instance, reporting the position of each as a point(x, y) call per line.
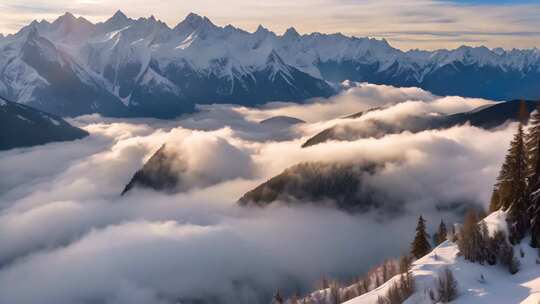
point(143, 67)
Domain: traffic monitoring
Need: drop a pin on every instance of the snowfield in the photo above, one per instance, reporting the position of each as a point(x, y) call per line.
point(497, 285)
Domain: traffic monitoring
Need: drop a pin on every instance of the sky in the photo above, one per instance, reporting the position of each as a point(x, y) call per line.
point(406, 24)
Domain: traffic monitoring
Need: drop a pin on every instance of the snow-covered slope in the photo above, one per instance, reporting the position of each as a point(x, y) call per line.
point(496, 286)
point(143, 67)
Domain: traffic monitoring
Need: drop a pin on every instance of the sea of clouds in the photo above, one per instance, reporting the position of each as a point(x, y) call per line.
point(68, 236)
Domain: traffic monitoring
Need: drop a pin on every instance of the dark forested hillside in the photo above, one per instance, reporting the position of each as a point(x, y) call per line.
point(23, 126)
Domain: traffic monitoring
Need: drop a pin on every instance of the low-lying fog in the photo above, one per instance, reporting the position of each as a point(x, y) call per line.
point(67, 236)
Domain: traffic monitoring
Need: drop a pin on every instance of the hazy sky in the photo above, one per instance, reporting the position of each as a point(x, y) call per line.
point(406, 23)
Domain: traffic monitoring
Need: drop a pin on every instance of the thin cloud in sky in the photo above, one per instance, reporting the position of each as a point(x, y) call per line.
point(411, 24)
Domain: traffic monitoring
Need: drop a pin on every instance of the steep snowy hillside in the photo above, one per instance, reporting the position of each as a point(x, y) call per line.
point(476, 283)
point(143, 67)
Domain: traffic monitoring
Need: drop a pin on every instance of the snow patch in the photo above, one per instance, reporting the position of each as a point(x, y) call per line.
point(24, 118)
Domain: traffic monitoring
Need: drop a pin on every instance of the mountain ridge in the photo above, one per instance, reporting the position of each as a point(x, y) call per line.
point(486, 117)
point(22, 126)
point(143, 67)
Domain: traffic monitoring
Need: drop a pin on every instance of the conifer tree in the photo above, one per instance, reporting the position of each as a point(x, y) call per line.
point(532, 142)
point(366, 283)
point(378, 279)
point(335, 294)
point(484, 241)
point(324, 282)
point(447, 286)
point(534, 212)
point(512, 179)
point(523, 114)
point(295, 298)
point(533, 158)
point(420, 245)
point(441, 233)
point(511, 188)
point(278, 298)
point(405, 263)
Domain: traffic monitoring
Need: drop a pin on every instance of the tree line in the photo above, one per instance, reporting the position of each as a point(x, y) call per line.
point(334, 292)
point(517, 190)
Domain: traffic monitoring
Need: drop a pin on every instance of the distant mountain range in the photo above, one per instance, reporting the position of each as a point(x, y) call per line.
point(142, 67)
point(23, 126)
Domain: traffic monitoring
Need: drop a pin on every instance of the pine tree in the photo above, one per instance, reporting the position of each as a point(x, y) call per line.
point(523, 114)
point(378, 279)
point(441, 233)
point(366, 283)
point(484, 242)
point(534, 212)
point(324, 282)
point(516, 167)
point(405, 263)
point(518, 212)
point(506, 256)
point(447, 286)
point(278, 298)
point(532, 142)
point(533, 157)
point(294, 299)
point(420, 245)
point(511, 188)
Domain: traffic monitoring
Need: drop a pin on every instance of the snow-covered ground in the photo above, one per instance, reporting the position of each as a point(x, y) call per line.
point(498, 285)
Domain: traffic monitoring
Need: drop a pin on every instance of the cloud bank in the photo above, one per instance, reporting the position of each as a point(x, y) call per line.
point(69, 237)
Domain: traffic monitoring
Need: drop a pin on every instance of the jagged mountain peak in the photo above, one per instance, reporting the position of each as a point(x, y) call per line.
point(119, 15)
point(194, 18)
point(499, 51)
point(261, 29)
point(31, 33)
point(291, 33)
point(194, 21)
point(65, 17)
point(70, 19)
point(117, 21)
point(261, 34)
point(39, 24)
point(151, 22)
point(69, 23)
point(31, 29)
